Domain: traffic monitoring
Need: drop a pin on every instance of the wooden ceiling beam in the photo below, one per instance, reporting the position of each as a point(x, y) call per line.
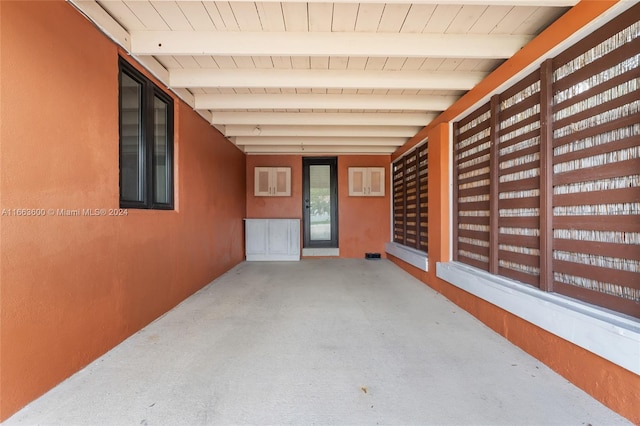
point(329, 79)
point(321, 101)
point(357, 44)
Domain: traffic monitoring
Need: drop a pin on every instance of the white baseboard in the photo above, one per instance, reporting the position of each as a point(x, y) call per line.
point(321, 252)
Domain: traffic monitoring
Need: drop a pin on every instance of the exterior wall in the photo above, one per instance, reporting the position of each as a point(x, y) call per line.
point(275, 207)
point(363, 221)
point(72, 287)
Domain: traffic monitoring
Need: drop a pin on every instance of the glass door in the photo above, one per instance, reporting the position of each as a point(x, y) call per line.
point(320, 202)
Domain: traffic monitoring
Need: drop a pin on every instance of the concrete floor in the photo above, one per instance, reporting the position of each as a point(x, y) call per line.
point(348, 341)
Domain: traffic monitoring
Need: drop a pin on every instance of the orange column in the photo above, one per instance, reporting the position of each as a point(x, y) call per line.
point(439, 222)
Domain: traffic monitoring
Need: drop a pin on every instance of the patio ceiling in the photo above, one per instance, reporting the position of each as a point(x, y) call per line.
point(316, 77)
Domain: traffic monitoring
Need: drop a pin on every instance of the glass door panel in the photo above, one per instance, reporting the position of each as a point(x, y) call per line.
point(320, 202)
point(320, 210)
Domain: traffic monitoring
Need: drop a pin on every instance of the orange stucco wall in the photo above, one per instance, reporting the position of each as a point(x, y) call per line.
point(614, 386)
point(363, 221)
point(275, 207)
point(72, 287)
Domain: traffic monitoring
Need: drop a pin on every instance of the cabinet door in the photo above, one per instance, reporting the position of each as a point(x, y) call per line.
point(376, 181)
point(294, 237)
point(278, 237)
point(256, 237)
point(262, 178)
point(282, 181)
point(357, 181)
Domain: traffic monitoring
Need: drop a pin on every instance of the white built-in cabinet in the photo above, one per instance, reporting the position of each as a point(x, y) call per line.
point(272, 181)
point(272, 239)
point(366, 181)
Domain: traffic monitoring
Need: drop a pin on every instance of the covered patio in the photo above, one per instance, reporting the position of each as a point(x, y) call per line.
point(488, 151)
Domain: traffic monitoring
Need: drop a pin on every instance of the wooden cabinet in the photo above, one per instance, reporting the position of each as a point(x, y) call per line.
point(366, 181)
point(272, 239)
point(272, 181)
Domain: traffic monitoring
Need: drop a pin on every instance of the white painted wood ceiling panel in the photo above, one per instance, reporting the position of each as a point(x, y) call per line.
point(300, 62)
point(464, 20)
point(247, 17)
point(228, 18)
point(320, 16)
point(281, 86)
point(417, 18)
point(295, 17)
point(489, 19)
point(375, 63)
point(147, 14)
point(271, 16)
point(245, 62)
point(187, 61)
point(369, 16)
point(206, 62)
point(338, 62)
point(357, 63)
point(196, 13)
point(393, 17)
point(169, 62)
point(344, 17)
point(123, 15)
point(394, 64)
point(513, 19)
point(172, 15)
point(214, 15)
point(441, 18)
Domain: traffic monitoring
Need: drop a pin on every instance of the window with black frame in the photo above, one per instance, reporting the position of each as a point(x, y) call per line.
point(146, 142)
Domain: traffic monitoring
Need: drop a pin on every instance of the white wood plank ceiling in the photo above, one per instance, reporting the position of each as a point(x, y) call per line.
point(317, 77)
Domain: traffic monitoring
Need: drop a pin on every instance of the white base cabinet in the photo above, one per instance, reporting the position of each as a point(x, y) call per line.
point(272, 239)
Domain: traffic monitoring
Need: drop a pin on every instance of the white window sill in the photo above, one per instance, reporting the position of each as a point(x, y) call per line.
point(414, 257)
point(615, 337)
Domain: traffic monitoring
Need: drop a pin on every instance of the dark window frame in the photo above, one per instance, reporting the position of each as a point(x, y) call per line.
point(150, 91)
point(409, 205)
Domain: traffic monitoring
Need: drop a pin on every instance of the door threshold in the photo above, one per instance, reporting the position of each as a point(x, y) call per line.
point(320, 252)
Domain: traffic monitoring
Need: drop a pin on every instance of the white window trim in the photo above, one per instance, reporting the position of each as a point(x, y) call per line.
point(615, 337)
